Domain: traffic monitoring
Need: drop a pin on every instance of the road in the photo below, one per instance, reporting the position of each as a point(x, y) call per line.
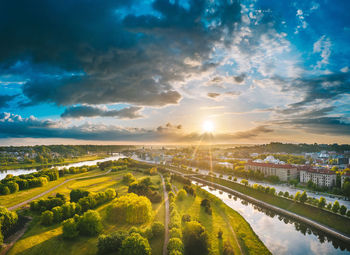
point(53, 188)
point(166, 232)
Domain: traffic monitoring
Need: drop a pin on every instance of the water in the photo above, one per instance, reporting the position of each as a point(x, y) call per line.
point(280, 234)
point(16, 172)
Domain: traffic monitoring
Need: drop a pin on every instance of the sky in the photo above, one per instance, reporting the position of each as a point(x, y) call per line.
point(134, 72)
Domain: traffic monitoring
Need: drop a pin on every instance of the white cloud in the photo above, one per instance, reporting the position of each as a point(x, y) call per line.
point(323, 46)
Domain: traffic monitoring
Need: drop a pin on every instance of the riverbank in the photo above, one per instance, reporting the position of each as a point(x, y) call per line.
point(66, 162)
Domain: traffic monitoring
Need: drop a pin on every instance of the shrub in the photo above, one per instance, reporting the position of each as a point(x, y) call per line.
point(175, 244)
point(280, 193)
point(8, 221)
point(186, 218)
point(228, 249)
point(335, 207)
point(303, 197)
point(90, 223)
point(128, 178)
point(286, 194)
point(321, 202)
point(111, 243)
point(157, 229)
point(235, 179)
point(297, 196)
point(329, 206)
point(130, 208)
point(47, 218)
point(195, 237)
point(245, 182)
point(76, 194)
point(181, 195)
point(153, 171)
point(135, 244)
point(4, 190)
point(13, 187)
point(342, 209)
point(207, 207)
point(220, 233)
point(70, 229)
point(175, 232)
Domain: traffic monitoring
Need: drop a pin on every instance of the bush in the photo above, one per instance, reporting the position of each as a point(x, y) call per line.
point(135, 244)
point(342, 209)
point(186, 218)
point(47, 218)
point(175, 232)
point(175, 244)
point(195, 237)
point(157, 229)
point(228, 249)
point(111, 243)
point(70, 229)
point(321, 202)
point(13, 187)
point(280, 193)
point(220, 233)
point(207, 207)
point(245, 182)
point(76, 194)
point(329, 206)
point(130, 208)
point(4, 190)
point(8, 221)
point(181, 195)
point(128, 178)
point(335, 207)
point(303, 197)
point(286, 194)
point(90, 223)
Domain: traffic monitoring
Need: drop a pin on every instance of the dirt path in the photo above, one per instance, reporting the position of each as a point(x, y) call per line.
point(53, 188)
point(166, 232)
point(232, 231)
point(14, 238)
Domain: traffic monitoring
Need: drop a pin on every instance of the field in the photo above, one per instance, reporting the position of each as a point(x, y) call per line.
point(47, 240)
point(234, 227)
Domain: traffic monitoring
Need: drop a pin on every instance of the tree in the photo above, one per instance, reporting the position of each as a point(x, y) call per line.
point(245, 182)
point(286, 194)
point(13, 187)
point(175, 244)
point(175, 232)
point(157, 229)
point(297, 196)
point(228, 249)
point(128, 178)
point(90, 223)
point(195, 238)
point(342, 209)
point(329, 206)
point(181, 195)
point(336, 206)
point(70, 229)
point(111, 243)
point(153, 171)
point(303, 197)
point(220, 233)
point(322, 202)
point(346, 187)
point(8, 221)
point(4, 190)
point(76, 194)
point(135, 244)
point(47, 218)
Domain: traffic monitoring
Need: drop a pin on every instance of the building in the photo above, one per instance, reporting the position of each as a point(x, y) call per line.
point(343, 177)
point(320, 176)
point(284, 172)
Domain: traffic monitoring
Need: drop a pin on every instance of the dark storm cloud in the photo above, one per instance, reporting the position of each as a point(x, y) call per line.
point(322, 88)
point(239, 78)
point(93, 111)
point(12, 125)
point(5, 99)
point(127, 59)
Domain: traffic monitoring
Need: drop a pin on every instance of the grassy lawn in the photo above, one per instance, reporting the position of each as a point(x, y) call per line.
point(235, 229)
point(23, 195)
point(324, 217)
point(47, 240)
point(66, 161)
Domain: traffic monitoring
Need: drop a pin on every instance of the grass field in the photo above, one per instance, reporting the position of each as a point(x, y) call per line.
point(235, 229)
point(47, 240)
point(324, 217)
point(66, 161)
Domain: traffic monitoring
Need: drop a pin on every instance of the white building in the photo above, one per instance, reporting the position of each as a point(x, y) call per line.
point(321, 177)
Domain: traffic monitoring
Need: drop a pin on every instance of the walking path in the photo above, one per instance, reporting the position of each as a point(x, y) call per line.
point(53, 188)
point(166, 232)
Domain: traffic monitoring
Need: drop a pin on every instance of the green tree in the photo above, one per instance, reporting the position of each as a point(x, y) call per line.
point(128, 178)
point(90, 223)
point(157, 229)
point(195, 238)
point(175, 244)
point(181, 195)
point(47, 218)
point(111, 243)
point(135, 244)
point(70, 229)
point(13, 187)
point(303, 197)
point(342, 209)
point(336, 206)
point(228, 249)
point(76, 194)
point(297, 196)
point(322, 202)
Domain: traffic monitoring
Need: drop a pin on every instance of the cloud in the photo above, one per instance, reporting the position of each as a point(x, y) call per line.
point(117, 51)
point(213, 94)
point(5, 99)
point(323, 46)
point(15, 126)
point(216, 95)
point(93, 111)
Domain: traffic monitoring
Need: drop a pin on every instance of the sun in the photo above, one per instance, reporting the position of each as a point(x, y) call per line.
point(208, 126)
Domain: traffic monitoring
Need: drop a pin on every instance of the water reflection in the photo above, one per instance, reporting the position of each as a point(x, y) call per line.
point(281, 234)
point(16, 172)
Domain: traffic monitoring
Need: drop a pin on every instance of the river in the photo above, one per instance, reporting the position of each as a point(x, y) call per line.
point(16, 172)
point(280, 234)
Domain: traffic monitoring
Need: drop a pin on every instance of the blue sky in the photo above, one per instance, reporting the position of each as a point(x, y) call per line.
point(154, 71)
